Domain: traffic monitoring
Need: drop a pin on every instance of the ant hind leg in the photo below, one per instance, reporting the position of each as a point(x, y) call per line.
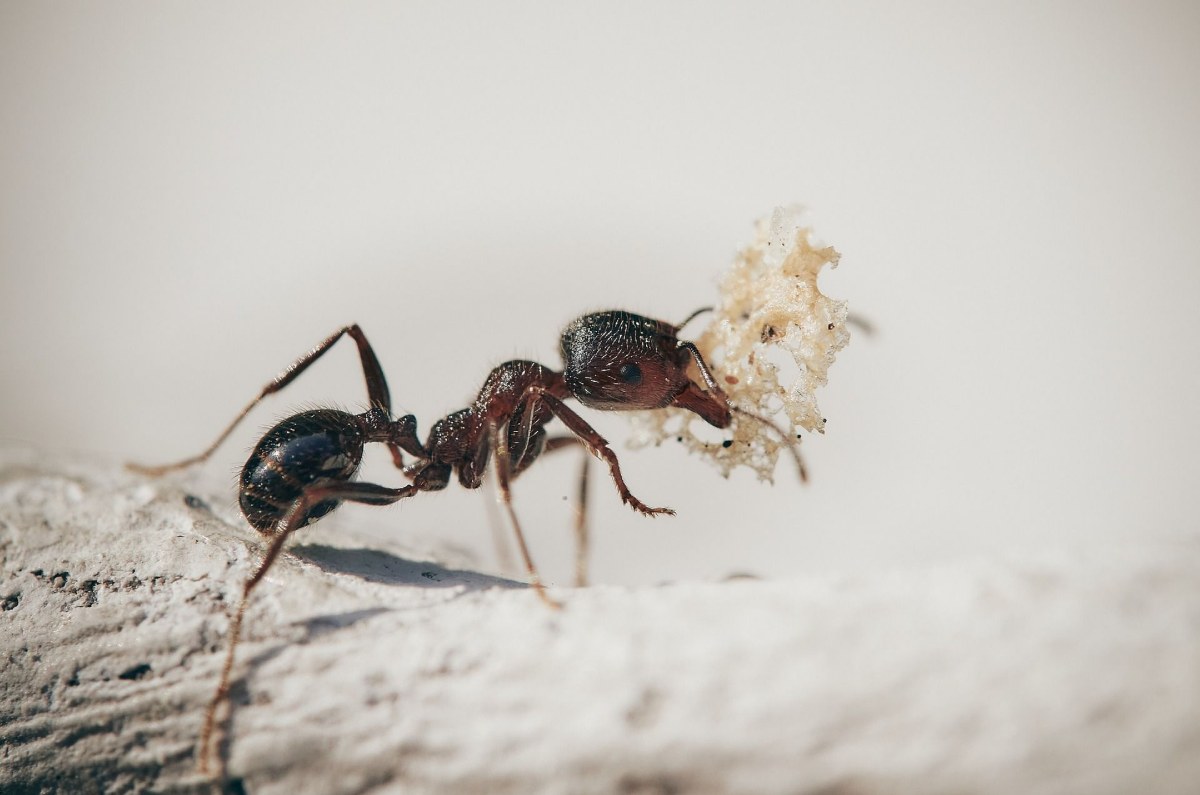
point(597, 445)
point(377, 393)
point(366, 493)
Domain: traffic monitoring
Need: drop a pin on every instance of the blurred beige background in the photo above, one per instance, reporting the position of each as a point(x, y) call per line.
point(195, 194)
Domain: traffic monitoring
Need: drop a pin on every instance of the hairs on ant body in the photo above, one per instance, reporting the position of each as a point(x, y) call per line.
point(306, 465)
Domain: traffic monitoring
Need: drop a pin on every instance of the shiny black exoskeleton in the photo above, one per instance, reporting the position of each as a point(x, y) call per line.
point(319, 446)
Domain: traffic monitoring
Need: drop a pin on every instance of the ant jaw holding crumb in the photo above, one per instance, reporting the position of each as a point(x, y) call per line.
point(711, 407)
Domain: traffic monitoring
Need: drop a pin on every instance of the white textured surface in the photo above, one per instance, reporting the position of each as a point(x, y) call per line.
point(366, 672)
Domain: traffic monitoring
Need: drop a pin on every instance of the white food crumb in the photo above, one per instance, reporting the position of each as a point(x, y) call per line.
point(769, 304)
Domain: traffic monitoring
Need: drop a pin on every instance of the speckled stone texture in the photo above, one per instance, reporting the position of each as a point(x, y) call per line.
point(365, 670)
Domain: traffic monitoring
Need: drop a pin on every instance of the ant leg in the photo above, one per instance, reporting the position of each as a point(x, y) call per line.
point(377, 393)
point(581, 526)
point(598, 446)
point(504, 557)
point(503, 552)
point(367, 493)
point(499, 444)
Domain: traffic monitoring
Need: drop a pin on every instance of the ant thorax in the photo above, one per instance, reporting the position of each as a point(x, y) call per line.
point(770, 342)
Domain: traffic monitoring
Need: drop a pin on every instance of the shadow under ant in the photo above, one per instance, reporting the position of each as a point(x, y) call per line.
point(378, 566)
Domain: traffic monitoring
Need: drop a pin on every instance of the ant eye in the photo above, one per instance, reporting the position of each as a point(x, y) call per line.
point(631, 373)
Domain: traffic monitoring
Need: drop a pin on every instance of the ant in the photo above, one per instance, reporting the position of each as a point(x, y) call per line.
point(305, 466)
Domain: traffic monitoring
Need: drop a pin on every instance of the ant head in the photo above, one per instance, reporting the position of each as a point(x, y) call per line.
point(620, 361)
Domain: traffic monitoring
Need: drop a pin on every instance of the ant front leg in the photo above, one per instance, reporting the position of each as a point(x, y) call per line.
point(597, 445)
point(366, 493)
point(377, 393)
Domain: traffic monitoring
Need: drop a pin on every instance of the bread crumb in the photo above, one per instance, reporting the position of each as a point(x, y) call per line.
point(769, 306)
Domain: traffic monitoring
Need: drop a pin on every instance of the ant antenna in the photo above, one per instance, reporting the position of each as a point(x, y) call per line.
point(862, 324)
point(693, 316)
point(792, 444)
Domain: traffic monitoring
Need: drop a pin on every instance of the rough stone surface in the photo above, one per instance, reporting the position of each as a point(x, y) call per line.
point(366, 671)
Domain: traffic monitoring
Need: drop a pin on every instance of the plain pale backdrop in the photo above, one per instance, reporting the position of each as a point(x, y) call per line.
point(191, 195)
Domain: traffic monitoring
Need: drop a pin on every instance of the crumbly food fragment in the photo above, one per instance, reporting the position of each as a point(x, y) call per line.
point(770, 314)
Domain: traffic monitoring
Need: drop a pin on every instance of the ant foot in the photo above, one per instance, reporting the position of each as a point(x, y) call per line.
point(540, 590)
point(643, 508)
point(146, 470)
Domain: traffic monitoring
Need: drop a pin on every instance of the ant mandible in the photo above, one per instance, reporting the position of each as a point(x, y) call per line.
point(305, 466)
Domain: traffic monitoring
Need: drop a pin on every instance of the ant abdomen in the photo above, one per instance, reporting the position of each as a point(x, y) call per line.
point(314, 447)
